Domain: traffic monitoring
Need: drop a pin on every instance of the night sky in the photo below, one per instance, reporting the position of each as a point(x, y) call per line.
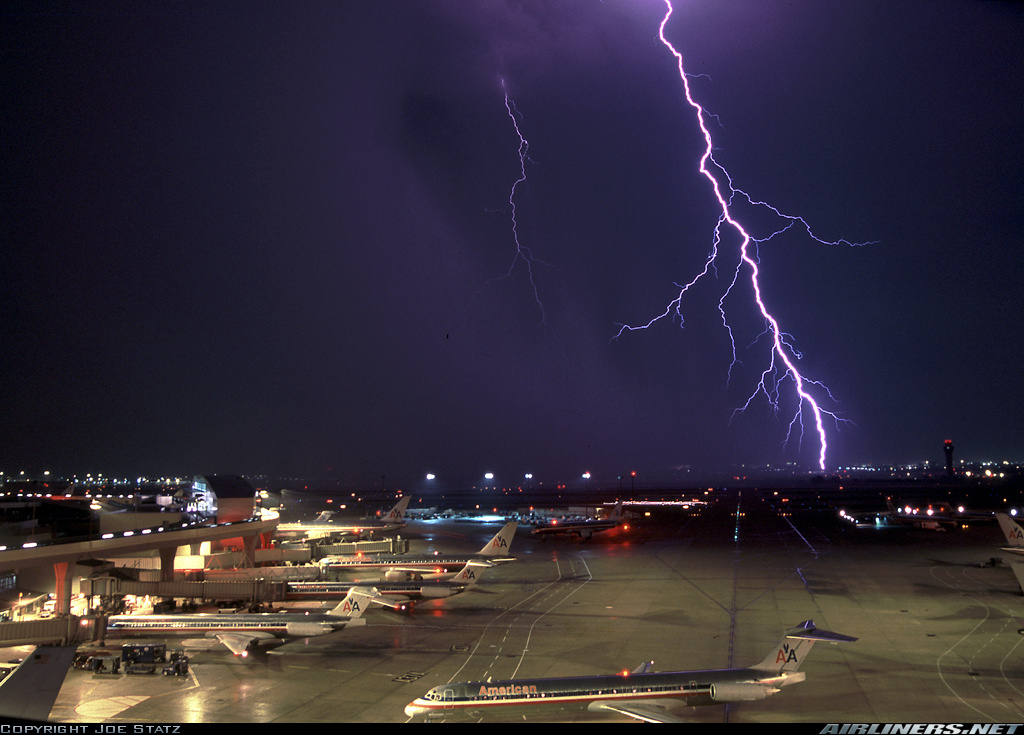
point(275, 238)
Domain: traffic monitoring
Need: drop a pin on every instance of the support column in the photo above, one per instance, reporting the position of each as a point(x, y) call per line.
point(62, 571)
point(250, 550)
point(167, 554)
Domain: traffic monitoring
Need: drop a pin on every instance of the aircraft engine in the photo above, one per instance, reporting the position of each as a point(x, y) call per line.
point(305, 630)
point(436, 592)
point(740, 692)
point(398, 576)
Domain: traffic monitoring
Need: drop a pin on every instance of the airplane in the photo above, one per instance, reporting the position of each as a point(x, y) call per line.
point(394, 595)
point(1013, 532)
point(29, 690)
point(1015, 538)
point(240, 632)
point(641, 694)
point(584, 529)
point(403, 567)
point(323, 526)
point(936, 516)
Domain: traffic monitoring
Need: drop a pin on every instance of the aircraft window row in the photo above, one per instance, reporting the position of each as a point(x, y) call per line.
point(190, 624)
point(595, 692)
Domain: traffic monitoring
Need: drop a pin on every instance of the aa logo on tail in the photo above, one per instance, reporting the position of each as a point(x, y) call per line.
point(786, 655)
point(351, 606)
point(499, 543)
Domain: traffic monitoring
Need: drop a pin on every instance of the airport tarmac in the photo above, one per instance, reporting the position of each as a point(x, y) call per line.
point(937, 629)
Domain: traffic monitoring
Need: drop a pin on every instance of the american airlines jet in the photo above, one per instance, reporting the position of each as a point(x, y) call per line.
point(399, 567)
point(322, 525)
point(640, 694)
point(241, 631)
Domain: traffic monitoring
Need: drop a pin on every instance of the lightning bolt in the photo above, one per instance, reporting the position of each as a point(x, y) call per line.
point(523, 254)
point(782, 366)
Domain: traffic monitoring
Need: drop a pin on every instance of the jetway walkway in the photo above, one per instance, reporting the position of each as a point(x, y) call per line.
point(164, 539)
point(62, 630)
point(255, 590)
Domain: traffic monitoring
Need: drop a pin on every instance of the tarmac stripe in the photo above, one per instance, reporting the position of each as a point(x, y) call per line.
point(102, 709)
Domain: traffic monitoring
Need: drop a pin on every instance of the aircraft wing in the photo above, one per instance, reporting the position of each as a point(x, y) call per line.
point(422, 573)
point(395, 602)
point(238, 643)
point(639, 709)
point(30, 690)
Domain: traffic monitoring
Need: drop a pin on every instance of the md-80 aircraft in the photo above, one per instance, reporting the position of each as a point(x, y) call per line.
point(322, 525)
point(583, 529)
point(1015, 538)
point(401, 567)
point(240, 632)
point(1013, 532)
point(640, 694)
point(395, 595)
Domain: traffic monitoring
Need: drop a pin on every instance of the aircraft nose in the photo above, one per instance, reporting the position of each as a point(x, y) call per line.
point(412, 709)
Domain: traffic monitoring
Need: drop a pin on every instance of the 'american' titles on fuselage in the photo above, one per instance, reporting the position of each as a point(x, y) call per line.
point(494, 551)
point(640, 694)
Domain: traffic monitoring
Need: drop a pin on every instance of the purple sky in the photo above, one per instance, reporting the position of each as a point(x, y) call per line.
point(275, 238)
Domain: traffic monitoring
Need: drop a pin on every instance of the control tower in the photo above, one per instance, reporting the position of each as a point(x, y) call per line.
point(948, 448)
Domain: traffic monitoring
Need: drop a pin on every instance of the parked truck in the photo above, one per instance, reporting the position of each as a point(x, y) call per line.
point(143, 657)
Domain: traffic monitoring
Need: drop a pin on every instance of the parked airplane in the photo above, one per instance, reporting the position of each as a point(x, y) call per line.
point(394, 595)
point(584, 529)
point(322, 525)
point(639, 694)
point(29, 691)
point(425, 566)
point(1013, 532)
point(241, 631)
point(1015, 538)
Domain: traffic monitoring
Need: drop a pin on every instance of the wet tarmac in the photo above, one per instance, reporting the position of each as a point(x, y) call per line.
point(937, 628)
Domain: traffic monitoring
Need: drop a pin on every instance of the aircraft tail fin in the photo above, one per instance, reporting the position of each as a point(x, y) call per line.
point(644, 668)
point(397, 513)
point(502, 541)
point(355, 602)
point(1018, 572)
point(1013, 532)
point(795, 645)
point(30, 690)
point(471, 573)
